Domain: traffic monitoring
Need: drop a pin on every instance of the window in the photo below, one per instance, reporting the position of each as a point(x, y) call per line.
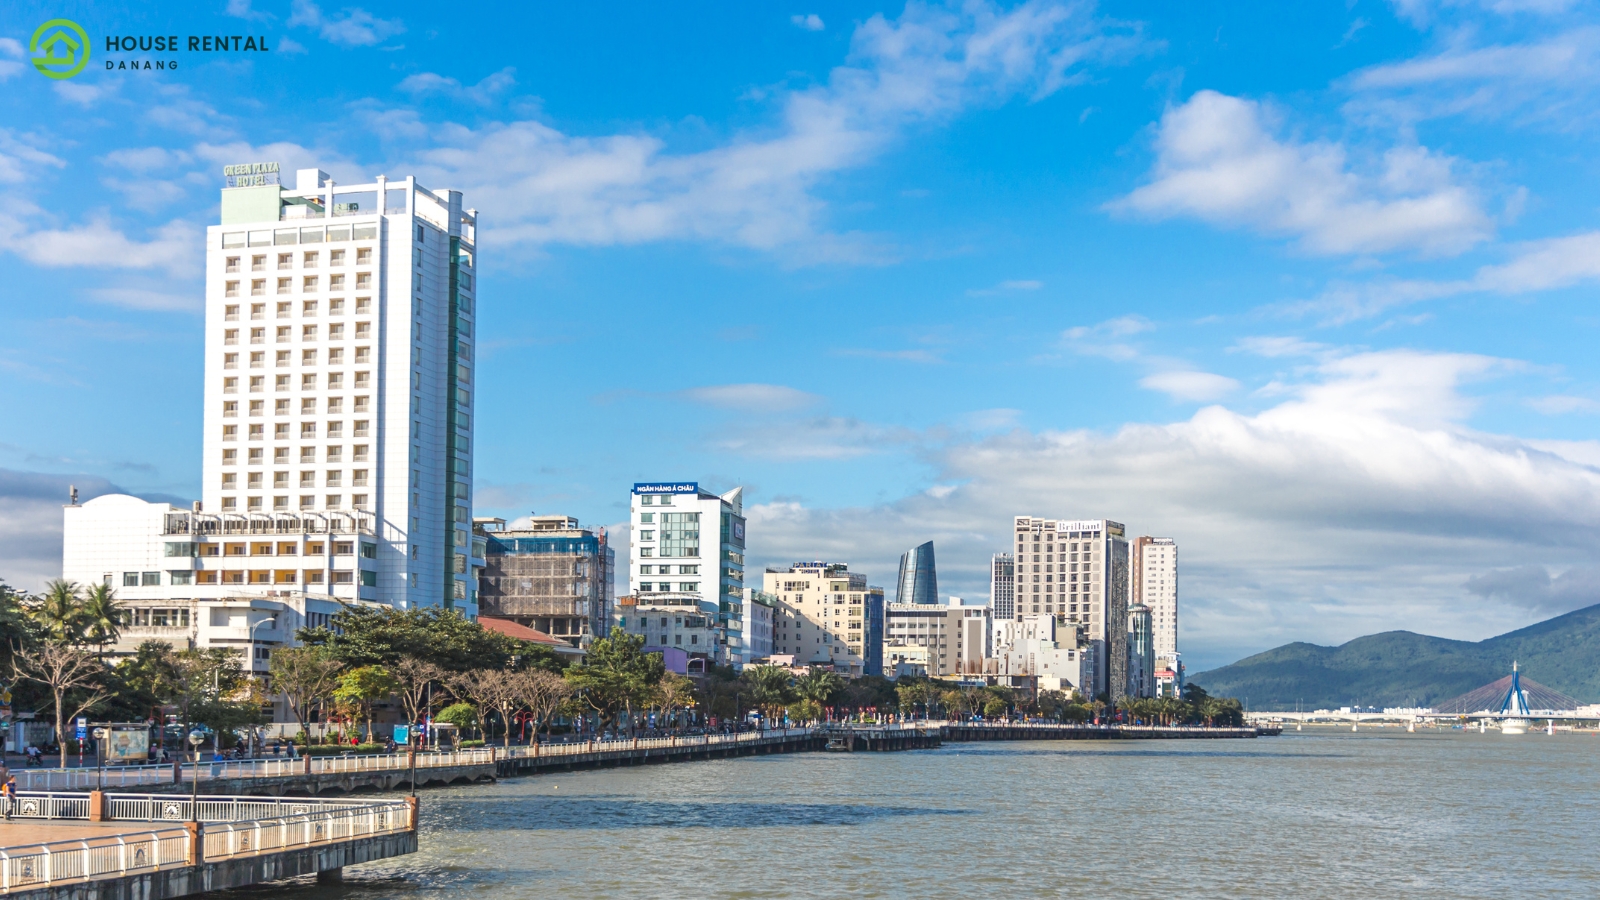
point(230, 313)
point(308, 429)
point(230, 289)
point(230, 432)
point(280, 455)
point(229, 457)
point(335, 406)
point(229, 504)
point(258, 360)
point(363, 379)
point(335, 380)
point(283, 334)
point(285, 260)
point(230, 385)
point(283, 288)
point(230, 407)
point(280, 431)
point(308, 381)
point(308, 308)
point(310, 259)
point(280, 480)
point(335, 429)
point(369, 579)
point(258, 335)
point(182, 577)
point(335, 332)
point(308, 479)
point(335, 282)
point(307, 501)
point(335, 454)
point(308, 332)
point(334, 478)
point(280, 503)
point(361, 429)
point(359, 453)
point(253, 504)
point(258, 287)
point(363, 305)
point(283, 358)
point(308, 284)
point(230, 336)
point(255, 406)
point(308, 357)
point(130, 579)
point(363, 329)
point(281, 383)
point(363, 354)
point(258, 263)
point(364, 256)
point(230, 360)
point(336, 356)
point(335, 257)
point(308, 454)
point(231, 264)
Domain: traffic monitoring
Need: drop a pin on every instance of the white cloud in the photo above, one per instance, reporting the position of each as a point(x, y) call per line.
point(810, 22)
point(1188, 385)
point(1545, 265)
point(752, 397)
point(819, 438)
point(1562, 405)
point(150, 299)
point(1105, 339)
point(353, 27)
point(756, 189)
point(291, 46)
point(1423, 13)
point(242, 9)
point(1547, 79)
point(174, 248)
point(8, 67)
point(1218, 161)
point(21, 160)
point(1274, 347)
point(916, 356)
point(1005, 286)
point(1359, 503)
point(486, 91)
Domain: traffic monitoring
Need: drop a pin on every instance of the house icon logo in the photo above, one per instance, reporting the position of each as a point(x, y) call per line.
point(59, 49)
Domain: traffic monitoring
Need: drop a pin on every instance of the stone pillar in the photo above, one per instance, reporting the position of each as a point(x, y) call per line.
point(197, 845)
point(97, 806)
point(411, 803)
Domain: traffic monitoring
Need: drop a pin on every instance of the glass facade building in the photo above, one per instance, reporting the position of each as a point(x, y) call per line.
point(918, 582)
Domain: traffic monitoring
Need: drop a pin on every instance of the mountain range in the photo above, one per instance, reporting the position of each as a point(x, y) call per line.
point(1400, 668)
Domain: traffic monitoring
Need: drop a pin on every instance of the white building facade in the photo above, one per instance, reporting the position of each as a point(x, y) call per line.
point(1045, 650)
point(690, 543)
point(1155, 584)
point(949, 638)
point(340, 376)
point(1077, 569)
point(827, 615)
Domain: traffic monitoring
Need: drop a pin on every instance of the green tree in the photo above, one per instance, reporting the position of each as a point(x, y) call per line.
point(820, 686)
point(367, 636)
point(59, 610)
point(141, 683)
point(770, 689)
point(364, 687)
point(461, 715)
point(994, 708)
point(673, 693)
point(99, 616)
point(616, 677)
point(306, 677)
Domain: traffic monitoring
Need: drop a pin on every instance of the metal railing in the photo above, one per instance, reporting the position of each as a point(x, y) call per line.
point(278, 767)
point(40, 865)
point(230, 839)
point(232, 827)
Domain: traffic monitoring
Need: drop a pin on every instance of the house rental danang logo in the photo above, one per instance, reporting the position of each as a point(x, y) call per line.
point(59, 49)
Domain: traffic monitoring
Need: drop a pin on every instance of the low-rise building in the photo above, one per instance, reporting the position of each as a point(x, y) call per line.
point(685, 622)
point(826, 615)
point(551, 575)
point(1047, 649)
point(955, 637)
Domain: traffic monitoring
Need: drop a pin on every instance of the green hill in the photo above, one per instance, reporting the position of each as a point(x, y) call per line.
point(1399, 668)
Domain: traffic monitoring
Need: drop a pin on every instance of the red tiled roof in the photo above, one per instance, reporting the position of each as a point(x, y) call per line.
point(520, 632)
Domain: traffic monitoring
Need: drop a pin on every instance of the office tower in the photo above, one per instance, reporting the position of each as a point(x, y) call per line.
point(827, 615)
point(551, 575)
point(686, 546)
point(339, 378)
point(1155, 584)
point(1141, 652)
point(1077, 570)
point(919, 580)
point(1003, 587)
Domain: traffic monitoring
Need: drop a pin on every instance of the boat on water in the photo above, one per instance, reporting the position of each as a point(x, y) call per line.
point(1513, 726)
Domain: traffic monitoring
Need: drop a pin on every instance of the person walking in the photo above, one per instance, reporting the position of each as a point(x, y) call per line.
point(10, 794)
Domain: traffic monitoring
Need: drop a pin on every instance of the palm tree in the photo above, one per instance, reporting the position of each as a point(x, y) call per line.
point(771, 689)
point(100, 616)
point(819, 686)
point(60, 612)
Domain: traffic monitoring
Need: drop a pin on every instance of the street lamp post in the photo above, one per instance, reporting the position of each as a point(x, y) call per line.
point(100, 736)
point(270, 620)
point(196, 738)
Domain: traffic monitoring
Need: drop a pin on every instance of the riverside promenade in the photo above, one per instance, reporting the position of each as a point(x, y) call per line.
point(69, 846)
point(314, 776)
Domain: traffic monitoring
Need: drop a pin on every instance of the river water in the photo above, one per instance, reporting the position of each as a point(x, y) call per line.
point(1312, 814)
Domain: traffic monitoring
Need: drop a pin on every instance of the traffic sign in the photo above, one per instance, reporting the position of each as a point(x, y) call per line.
point(83, 728)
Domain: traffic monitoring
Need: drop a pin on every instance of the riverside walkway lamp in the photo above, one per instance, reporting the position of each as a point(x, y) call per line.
point(196, 738)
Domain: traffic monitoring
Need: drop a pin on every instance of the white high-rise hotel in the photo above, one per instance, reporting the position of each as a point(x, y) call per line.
point(339, 370)
point(339, 381)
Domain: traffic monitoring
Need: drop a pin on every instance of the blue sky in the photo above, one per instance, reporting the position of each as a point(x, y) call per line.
point(1308, 287)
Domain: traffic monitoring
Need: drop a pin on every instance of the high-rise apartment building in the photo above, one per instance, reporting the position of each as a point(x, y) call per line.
point(1077, 570)
point(918, 581)
point(550, 575)
point(1003, 587)
point(1155, 584)
point(1141, 653)
point(827, 615)
point(689, 543)
point(339, 377)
